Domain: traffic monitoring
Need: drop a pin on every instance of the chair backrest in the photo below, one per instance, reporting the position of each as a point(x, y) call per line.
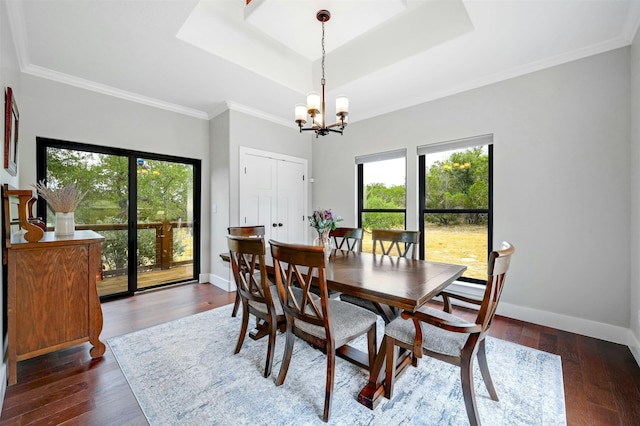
point(349, 239)
point(249, 270)
point(499, 261)
point(296, 267)
point(247, 231)
point(403, 242)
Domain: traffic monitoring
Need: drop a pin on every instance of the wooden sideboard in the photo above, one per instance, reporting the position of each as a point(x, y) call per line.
point(52, 298)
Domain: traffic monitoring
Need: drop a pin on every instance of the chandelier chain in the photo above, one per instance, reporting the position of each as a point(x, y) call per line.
point(323, 53)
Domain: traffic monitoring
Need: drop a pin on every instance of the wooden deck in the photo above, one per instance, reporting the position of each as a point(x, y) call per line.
point(113, 285)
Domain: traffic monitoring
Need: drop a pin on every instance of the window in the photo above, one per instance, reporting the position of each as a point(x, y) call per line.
point(382, 194)
point(455, 190)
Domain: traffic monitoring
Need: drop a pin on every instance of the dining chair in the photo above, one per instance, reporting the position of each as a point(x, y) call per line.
point(404, 242)
point(244, 231)
point(349, 239)
point(390, 242)
point(258, 297)
point(444, 336)
point(327, 324)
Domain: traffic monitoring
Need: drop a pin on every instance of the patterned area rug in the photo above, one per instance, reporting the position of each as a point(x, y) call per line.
point(184, 372)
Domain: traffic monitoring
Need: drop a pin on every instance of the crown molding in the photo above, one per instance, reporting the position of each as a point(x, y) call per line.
point(234, 106)
point(532, 67)
point(110, 91)
point(633, 22)
point(15, 17)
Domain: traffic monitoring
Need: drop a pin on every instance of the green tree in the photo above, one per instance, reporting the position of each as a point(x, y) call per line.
point(379, 196)
point(163, 194)
point(459, 182)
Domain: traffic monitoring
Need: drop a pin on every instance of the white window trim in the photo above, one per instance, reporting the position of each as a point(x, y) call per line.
point(456, 144)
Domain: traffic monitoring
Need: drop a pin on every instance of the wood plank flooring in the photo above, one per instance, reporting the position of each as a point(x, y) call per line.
point(601, 379)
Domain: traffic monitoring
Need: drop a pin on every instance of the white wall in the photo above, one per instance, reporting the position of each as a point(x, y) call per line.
point(635, 198)
point(58, 111)
point(561, 183)
point(252, 132)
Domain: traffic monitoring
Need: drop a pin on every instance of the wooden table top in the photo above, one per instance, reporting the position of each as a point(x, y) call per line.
point(402, 283)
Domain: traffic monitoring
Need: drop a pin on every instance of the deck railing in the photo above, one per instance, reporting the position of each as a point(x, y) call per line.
point(164, 243)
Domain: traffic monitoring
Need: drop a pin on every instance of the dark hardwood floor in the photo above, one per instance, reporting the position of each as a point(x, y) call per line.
point(601, 379)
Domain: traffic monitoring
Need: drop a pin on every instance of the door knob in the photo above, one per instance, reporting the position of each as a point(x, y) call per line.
point(274, 225)
point(279, 224)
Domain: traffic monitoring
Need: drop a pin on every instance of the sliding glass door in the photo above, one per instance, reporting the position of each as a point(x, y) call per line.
point(164, 221)
point(145, 205)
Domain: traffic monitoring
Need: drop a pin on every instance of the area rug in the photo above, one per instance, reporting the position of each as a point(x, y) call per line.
point(184, 373)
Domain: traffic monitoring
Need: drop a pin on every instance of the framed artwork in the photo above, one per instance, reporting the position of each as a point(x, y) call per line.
point(11, 121)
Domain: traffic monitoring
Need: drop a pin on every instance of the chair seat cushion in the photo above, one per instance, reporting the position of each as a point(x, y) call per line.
point(434, 339)
point(276, 302)
point(348, 321)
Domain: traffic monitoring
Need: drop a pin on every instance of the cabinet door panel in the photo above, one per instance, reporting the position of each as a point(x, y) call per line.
point(59, 313)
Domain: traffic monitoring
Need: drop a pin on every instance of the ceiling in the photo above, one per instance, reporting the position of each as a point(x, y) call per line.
point(202, 57)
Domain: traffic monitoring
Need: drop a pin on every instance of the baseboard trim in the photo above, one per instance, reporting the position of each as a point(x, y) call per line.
point(634, 346)
point(581, 326)
point(3, 384)
point(598, 330)
point(221, 282)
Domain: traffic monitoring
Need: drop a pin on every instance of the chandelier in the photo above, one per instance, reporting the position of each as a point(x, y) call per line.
point(315, 104)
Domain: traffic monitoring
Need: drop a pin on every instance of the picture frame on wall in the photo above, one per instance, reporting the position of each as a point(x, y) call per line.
point(11, 121)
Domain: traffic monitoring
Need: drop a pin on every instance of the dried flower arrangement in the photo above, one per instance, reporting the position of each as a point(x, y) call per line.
point(63, 200)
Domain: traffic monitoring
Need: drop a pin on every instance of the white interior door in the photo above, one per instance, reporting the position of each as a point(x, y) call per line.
point(258, 192)
point(273, 194)
point(290, 203)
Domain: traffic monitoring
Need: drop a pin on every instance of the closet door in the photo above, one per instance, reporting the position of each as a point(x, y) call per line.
point(290, 202)
point(258, 193)
point(272, 193)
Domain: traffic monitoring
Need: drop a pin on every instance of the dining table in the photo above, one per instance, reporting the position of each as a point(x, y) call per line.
point(400, 283)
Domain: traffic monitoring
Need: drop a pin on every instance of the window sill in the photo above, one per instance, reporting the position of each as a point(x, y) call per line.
point(474, 291)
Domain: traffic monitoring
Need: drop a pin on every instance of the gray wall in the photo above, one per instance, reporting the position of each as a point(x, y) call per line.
point(9, 77)
point(635, 195)
point(220, 178)
point(561, 183)
point(59, 111)
point(241, 129)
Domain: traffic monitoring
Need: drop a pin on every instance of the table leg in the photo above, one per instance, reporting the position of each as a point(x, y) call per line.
point(378, 387)
point(371, 394)
point(261, 329)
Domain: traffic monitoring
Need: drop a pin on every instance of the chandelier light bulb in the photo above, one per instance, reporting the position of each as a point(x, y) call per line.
point(342, 105)
point(301, 114)
point(313, 103)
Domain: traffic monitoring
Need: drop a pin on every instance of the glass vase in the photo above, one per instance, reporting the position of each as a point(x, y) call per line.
point(324, 240)
point(65, 224)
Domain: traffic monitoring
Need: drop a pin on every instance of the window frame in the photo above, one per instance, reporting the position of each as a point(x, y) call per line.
point(360, 162)
point(43, 143)
point(422, 199)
